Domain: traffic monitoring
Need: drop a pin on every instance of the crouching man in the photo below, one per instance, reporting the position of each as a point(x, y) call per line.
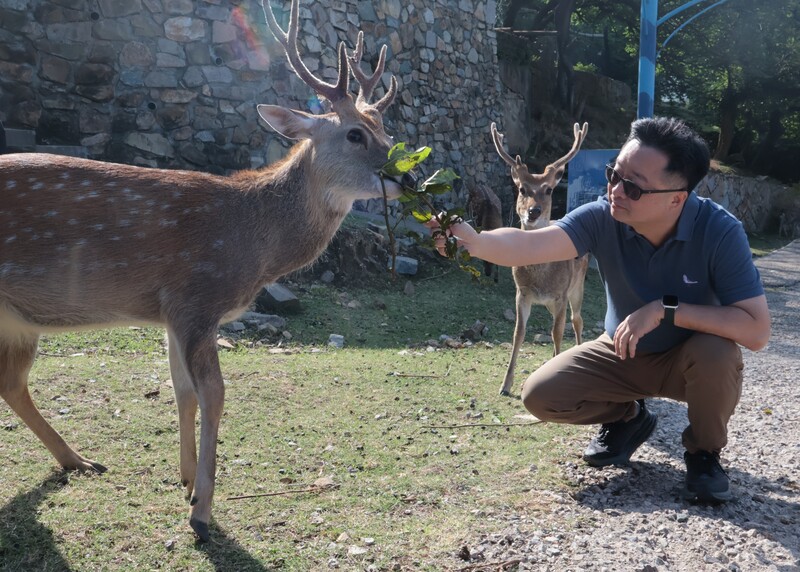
point(682, 295)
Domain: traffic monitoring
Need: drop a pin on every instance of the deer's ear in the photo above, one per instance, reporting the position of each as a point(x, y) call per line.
point(290, 123)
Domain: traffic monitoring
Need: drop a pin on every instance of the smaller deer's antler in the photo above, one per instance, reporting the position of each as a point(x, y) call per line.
point(367, 83)
point(288, 40)
point(498, 138)
point(580, 135)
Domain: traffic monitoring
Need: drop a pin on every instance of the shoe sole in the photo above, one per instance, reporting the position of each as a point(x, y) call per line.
point(710, 497)
point(625, 456)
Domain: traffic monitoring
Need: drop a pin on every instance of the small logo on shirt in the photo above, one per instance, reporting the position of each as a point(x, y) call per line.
point(686, 280)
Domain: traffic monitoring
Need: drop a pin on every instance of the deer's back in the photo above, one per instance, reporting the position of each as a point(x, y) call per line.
point(88, 243)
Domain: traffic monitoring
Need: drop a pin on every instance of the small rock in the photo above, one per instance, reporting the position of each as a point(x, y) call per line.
point(356, 551)
point(327, 277)
point(336, 341)
point(277, 298)
point(408, 289)
point(405, 265)
point(510, 315)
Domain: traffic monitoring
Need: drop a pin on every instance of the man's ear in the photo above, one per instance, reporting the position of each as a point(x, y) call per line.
point(290, 123)
point(679, 198)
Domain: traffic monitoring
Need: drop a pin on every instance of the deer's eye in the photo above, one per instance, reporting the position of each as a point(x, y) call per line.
point(547, 190)
point(355, 136)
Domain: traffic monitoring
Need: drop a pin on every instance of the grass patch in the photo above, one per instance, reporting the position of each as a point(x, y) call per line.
point(382, 418)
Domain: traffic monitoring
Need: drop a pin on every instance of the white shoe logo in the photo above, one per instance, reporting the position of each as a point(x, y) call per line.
point(687, 281)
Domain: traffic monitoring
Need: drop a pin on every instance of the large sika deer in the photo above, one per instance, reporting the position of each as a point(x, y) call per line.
point(87, 244)
point(553, 284)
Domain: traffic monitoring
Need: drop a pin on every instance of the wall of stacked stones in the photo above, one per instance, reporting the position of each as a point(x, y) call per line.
point(752, 200)
point(175, 83)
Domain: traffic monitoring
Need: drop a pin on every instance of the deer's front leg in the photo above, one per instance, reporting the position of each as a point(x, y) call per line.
point(186, 400)
point(202, 365)
point(523, 313)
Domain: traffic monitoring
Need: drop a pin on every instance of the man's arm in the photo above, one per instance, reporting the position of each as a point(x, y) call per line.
point(746, 322)
point(513, 246)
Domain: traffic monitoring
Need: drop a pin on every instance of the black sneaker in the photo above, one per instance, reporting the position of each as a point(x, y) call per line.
point(616, 442)
point(706, 481)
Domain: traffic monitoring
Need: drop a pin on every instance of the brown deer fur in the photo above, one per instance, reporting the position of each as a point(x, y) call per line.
point(87, 244)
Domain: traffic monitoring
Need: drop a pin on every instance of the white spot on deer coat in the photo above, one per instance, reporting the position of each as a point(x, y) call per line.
point(11, 184)
point(11, 238)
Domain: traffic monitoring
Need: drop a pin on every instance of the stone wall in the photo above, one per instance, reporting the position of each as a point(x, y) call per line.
point(749, 199)
point(175, 83)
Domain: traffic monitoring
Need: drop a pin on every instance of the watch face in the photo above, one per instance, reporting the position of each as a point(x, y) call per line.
point(670, 301)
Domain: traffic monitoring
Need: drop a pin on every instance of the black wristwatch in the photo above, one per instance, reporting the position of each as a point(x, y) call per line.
point(670, 304)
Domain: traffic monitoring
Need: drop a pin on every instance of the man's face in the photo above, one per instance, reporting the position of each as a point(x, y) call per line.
point(645, 167)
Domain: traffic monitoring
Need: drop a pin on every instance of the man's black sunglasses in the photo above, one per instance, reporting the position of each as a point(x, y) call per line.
point(633, 191)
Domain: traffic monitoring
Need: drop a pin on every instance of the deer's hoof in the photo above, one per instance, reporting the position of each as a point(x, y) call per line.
point(100, 469)
point(200, 529)
point(505, 393)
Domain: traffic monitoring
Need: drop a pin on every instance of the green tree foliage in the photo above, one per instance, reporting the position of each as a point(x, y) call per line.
point(736, 69)
point(733, 72)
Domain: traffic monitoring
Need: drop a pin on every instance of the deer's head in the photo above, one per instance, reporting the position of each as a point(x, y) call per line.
point(535, 191)
point(349, 144)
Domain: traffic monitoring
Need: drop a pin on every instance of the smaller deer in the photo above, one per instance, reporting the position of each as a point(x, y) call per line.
point(553, 284)
point(487, 213)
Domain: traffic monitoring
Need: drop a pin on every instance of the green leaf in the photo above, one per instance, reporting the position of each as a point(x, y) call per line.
point(440, 182)
point(421, 216)
point(402, 161)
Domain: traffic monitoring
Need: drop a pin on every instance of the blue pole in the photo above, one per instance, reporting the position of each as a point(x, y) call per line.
point(647, 58)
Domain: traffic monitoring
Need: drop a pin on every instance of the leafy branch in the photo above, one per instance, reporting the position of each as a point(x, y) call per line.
point(419, 202)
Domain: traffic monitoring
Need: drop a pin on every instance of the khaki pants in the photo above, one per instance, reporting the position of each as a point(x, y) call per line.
point(590, 384)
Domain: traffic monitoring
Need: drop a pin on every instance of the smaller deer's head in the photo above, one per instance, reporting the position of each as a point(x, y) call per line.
point(535, 191)
point(349, 144)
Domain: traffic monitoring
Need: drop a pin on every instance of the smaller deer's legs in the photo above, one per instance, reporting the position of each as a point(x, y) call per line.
point(557, 309)
point(577, 320)
point(16, 359)
point(202, 366)
point(186, 400)
point(523, 313)
point(575, 297)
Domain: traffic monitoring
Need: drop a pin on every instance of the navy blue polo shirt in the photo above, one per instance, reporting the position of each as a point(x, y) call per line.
point(707, 261)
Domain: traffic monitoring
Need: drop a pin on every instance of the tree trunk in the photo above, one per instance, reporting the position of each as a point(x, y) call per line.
point(727, 122)
point(564, 78)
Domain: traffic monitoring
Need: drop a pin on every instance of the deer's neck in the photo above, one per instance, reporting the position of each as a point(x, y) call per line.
point(304, 213)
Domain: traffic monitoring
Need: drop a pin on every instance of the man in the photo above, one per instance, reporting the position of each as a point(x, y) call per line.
point(682, 294)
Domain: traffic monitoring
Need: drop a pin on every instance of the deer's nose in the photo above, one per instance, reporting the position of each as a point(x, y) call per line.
point(534, 212)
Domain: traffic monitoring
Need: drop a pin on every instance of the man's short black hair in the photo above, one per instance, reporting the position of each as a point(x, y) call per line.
point(687, 152)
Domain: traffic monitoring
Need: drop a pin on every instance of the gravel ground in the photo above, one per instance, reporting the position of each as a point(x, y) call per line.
point(633, 518)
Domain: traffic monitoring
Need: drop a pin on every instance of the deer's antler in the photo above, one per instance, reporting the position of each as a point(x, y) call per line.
point(367, 83)
point(580, 135)
point(497, 138)
point(288, 40)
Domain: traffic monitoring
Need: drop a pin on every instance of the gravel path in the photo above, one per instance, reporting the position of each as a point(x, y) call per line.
point(633, 518)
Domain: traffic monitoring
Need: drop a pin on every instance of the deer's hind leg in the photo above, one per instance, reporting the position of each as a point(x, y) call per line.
point(16, 358)
point(575, 296)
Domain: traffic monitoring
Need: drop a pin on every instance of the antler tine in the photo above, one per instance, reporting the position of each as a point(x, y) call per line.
point(288, 40)
point(497, 138)
point(580, 135)
point(367, 83)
